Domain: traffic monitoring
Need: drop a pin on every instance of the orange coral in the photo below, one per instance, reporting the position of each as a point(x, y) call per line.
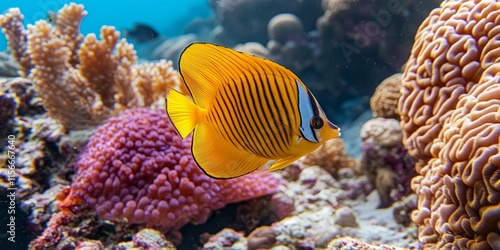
point(450, 114)
point(12, 27)
point(153, 80)
point(331, 156)
point(83, 81)
point(384, 102)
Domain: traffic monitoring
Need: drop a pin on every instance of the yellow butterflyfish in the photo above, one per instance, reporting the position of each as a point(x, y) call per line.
point(247, 113)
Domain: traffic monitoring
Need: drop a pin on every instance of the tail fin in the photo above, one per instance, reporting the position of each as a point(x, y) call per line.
point(182, 112)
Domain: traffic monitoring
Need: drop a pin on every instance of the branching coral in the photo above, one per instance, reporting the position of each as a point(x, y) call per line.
point(136, 168)
point(450, 114)
point(83, 81)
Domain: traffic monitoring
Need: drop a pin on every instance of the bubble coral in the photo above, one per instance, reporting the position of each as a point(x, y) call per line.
point(137, 168)
point(450, 115)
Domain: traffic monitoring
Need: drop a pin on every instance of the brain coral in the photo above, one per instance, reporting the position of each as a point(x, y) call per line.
point(450, 115)
point(137, 168)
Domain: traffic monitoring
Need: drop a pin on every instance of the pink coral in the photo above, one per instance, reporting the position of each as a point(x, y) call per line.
point(137, 168)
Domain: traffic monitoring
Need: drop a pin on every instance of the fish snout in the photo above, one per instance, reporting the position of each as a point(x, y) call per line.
point(333, 125)
point(335, 128)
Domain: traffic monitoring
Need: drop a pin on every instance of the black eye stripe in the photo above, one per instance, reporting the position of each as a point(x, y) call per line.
point(314, 105)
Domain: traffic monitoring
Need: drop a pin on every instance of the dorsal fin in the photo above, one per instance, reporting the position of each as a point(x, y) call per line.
point(206, 67)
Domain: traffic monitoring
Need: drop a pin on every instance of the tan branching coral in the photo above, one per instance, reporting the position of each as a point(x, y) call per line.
point(63, 90)
point(12, 27)
point(384, 102)
point(81, 80)
point(153, 81)
point(450, 115)
point(331, 156)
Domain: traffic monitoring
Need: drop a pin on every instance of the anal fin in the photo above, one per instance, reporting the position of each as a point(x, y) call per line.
point(219, 158)
point(283, 163)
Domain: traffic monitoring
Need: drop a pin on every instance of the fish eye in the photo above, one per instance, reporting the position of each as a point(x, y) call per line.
point(317, 122)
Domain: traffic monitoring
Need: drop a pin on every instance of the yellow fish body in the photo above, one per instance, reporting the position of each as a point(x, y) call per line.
point(248, 113)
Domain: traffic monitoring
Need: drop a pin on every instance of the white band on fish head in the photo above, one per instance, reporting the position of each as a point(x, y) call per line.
point(307, 110)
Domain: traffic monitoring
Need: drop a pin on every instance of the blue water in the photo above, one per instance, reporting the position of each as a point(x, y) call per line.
point(168, 17)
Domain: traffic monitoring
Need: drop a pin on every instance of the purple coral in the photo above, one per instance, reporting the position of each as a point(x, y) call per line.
point(137, 168)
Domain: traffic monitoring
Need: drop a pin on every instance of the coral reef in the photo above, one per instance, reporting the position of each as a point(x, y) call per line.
point(284, 27)
point(360, 42)
point(385, 160)
point(349, 243)
point(138, 169)
point(239, 22)
point(385, 99)
point(226, 239)
point(40, 207)
point(316, 195)
point(253, 48)
point(332, 157)
point(147, 238)
point(403, 209)
point(288, 44)
point(8, 66)
point(262, 237)
point(80, 80)
point(355, 25)
point(450, 118)
point(17, 98)
point(136, 173)
point(322, 213)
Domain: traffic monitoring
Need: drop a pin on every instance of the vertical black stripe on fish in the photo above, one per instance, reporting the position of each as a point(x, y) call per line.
point(289, 98)
point(276, 109)
point(223, 121)
point(268, 117)
point(228, 117)
point(268, 112)
point(257, 107)
point(248, 128)
point(286, 102)
point(246, 111)
point(293, 100)
point(236, 119)
point(212, 120)
point(219, 125)
point(253, 114)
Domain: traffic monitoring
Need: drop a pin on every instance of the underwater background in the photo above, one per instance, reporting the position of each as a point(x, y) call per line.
point(91, 160)
point(164, 16)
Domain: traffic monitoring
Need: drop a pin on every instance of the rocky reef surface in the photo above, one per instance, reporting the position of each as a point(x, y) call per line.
point(95, 163)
